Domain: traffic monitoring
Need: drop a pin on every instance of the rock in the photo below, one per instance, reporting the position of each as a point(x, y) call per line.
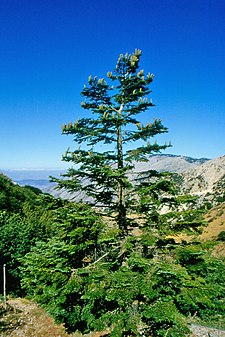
point(202, 331)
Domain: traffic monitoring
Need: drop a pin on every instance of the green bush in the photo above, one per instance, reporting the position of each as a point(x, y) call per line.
point(221, 236)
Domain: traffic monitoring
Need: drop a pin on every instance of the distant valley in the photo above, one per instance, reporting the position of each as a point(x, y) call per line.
point(36, 178)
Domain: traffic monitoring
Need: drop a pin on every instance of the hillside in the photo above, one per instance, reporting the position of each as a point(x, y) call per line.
point(26, 319)
point(216, 223)
point(202, 177)
point(215, 219)
point(171, 163)
point(206, 179)
point(216, 226)
point(60, 230)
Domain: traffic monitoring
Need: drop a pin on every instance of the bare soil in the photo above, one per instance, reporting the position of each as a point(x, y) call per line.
point(24, 318)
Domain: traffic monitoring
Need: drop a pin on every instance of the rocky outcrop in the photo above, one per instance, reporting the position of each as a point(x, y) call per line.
point(171, 163)
point(206, 180)
point(203, 331)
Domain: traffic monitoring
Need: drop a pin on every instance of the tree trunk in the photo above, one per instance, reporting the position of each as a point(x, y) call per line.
point(122, 216)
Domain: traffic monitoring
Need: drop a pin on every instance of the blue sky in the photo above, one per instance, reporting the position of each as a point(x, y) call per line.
point(48, 48)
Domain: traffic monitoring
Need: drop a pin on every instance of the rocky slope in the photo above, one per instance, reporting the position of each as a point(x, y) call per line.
point(206, 180)
point(171, 163)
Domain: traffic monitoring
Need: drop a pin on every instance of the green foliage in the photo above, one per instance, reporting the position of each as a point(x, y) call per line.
point(122, 288)
point(114, 128)
point(48, 266)
point(13, 196)
point(19, 233)
point(206, 299)
point(165, 320)
point(221, 236)
point(47, 270)
point(22, 221)
point(192, 257)
point(33, 189)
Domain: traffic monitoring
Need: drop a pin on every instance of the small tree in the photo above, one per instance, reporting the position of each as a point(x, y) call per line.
point(106, 151)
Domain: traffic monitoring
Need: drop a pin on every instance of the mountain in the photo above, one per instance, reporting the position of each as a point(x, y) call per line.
point(206, 180)
point(202, 176)
point(162, 162)
point(169, 162)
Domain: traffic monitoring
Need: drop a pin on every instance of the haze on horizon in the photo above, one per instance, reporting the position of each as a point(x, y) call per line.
point(48, 50)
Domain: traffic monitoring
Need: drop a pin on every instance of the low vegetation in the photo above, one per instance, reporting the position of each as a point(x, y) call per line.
point(81, 272)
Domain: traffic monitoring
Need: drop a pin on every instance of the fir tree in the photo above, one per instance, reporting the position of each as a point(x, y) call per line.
point(106, 141)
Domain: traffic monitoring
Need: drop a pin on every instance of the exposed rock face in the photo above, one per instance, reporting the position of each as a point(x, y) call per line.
point(171, 163)
point(206, 179)
point(202, 331)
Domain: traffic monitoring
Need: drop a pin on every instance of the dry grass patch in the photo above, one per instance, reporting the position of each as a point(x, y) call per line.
point(216, 224)
point(216, 220)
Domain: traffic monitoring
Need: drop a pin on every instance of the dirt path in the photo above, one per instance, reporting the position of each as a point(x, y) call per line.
point(25, 319)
